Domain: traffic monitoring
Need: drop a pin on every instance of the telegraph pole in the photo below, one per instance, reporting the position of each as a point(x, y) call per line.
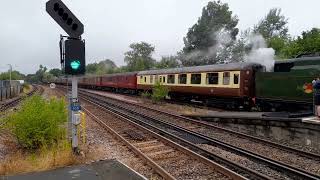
point(10, 71)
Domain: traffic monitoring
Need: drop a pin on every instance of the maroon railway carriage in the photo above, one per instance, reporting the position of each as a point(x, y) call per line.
point(229, 85)
point(89, 81)
point(121, 82)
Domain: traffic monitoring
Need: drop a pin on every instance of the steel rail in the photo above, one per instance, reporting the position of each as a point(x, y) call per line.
point(14, 102)
point(285, 168)
point(149, 161)
point(204, 154)
point(209, 162)
point(273, 144)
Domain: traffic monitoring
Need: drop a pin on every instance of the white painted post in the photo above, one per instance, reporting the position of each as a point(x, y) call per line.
point(74, 100)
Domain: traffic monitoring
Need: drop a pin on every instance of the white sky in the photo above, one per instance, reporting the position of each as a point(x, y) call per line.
point(29, 37)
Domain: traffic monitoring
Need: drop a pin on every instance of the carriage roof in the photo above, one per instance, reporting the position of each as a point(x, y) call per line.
point(207, 68)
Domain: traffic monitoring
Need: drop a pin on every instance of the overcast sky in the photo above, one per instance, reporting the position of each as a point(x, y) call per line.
point(29, 37)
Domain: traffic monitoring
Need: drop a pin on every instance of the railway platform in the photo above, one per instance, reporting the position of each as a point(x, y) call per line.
point(252, 117)
point(302, 128)
point(99, 170)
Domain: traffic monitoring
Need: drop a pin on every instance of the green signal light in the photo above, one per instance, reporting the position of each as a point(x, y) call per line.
point(75, 64)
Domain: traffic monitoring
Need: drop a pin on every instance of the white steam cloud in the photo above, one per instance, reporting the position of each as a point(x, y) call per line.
point(217, 51)
point(260, 53)
point(223, 50)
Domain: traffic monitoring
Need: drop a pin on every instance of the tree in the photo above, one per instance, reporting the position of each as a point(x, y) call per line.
point(106, 67)
point(139, 57)
point(274, 24)
point(15, 75)
point(56, 72)
point(168, 62)
point(273, 27)
point(200, 43)
point(40, 74)
point(30, 78)
point(103, 67)
point(92, 68)
point(307, 43)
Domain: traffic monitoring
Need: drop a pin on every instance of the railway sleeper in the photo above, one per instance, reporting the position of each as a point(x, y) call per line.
point(149, 148)
point(158, 153)
point(146, 143)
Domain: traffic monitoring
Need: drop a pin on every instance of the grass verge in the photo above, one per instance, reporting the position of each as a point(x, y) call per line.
point(39, 130)
point(44, 158)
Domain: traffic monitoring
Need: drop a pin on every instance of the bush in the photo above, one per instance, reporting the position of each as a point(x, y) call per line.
point(39, 122)
point(26, 87)
point(159, 92)
point(146, 94)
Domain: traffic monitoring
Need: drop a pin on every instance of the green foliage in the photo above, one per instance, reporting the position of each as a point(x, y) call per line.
point(146, 94)
point(159, 92)
point(168, 62)
point(39, 122)
point(278, 44)
point(15, 75)
point(103, 67)
point(273, 25)
point(139, 57)
point(55, 72)
point(40, 76)
point(26, 86)
point(201, 38)
point(307, 43)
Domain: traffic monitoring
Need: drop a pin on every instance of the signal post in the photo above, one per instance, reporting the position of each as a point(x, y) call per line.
point(72, 57)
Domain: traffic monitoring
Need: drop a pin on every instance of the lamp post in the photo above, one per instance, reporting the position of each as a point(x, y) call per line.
point(10, 72)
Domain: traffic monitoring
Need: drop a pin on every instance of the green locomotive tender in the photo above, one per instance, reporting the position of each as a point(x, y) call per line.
point(289, 87)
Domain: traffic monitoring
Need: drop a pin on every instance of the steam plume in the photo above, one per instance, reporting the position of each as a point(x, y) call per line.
point(260, 53)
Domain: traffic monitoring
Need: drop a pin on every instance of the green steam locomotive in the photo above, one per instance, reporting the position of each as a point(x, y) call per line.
point(289, 87)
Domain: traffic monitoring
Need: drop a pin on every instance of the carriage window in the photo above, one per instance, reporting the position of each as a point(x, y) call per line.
point(164, 79)
point(212, 78)
point(145, 79)
point(182, 79)
point(226, 78)
point(160, 78)
point(151, 79)
point(236, 79)
point(170, 79)
point(195, 78)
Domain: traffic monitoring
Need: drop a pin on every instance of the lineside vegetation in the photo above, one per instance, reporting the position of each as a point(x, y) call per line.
point(39, 127)
point(159, 92)
point(39, 122)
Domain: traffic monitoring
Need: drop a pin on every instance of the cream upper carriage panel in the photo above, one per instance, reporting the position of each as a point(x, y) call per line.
point(232, 70)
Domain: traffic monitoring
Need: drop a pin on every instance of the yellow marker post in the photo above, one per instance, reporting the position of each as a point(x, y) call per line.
point(82, 128)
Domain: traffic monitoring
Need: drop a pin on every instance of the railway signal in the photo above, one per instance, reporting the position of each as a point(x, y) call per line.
point(72, 53)
point(65, 18)
point(74, 62)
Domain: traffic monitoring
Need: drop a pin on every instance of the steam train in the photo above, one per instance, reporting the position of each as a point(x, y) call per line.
point(233, 86)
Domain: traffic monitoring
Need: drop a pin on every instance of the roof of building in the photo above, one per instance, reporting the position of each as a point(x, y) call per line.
point(207, 68)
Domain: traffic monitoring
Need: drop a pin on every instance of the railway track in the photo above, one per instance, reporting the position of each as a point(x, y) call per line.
point(17, 100)
point(167, 158)
point(207, 146)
